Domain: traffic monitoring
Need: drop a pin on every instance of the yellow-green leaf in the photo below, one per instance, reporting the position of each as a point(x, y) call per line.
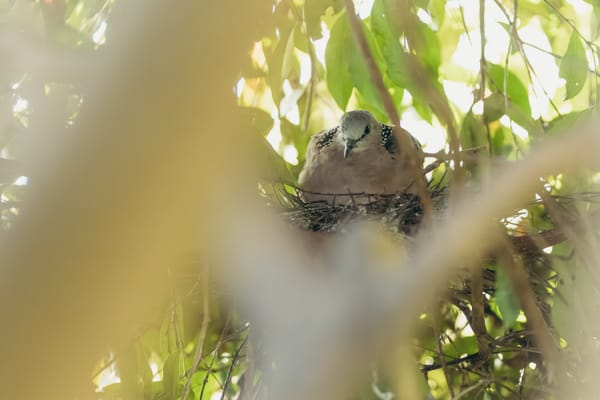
point(508, 83)
point(360, 73)
point(337, 54)
point(573, 67)
point(506, 299)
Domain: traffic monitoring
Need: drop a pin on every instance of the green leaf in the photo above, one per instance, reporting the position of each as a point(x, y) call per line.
point(360, 73)
point(562, 309)
point(493, 107)
point(573, 67)
point(171, 375)
point(596, 21)
point(496, 105)
point(313, 10)
point(461, 345)
point(280, 63)
point(437, 10)
point(396, 92)
point(337, 53)
point(302, 41)
point(504, 142)
point(347, 68)
point(288, 55)
point(472, 132)
point(270, 165)
point(393, 53)
point(534, 127)
point(506, 299)
point(567, 121)
point(429, 51)
point(363, 103)
point(508, 83)
point(422, 108)
point(259, 121)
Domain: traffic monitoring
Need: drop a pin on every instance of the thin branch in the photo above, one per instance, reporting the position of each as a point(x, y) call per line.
point(565, 223)
point(407, 148)
point(520, 281)
point(212, 360)
point(436, 99)
point(532, 242)
point(201, 337)
point(513, 29)
point(174, 321)
point(466, 359)
point(565, 229)
point(234, 361)
point(313, 76)
point(570, 23)
point(247, 386)
point(519, 42)
point(440, 352)
point(557, 56)
point(104, 366)
point(464, 392)
point(482, 71)
point(477, 312)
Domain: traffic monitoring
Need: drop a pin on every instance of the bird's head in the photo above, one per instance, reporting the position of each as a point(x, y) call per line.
point(355, 126)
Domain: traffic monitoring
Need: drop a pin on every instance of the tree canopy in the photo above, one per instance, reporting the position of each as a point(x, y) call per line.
point(125, 163)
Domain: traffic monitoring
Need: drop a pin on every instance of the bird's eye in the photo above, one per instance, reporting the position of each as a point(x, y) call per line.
point(367, 130)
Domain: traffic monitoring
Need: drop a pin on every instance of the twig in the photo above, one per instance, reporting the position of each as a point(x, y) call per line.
point(104, 366)
point(464, 392)
point(477, 314)
point(519, 42)
point(440, 352)
point(520, 281)
point(234, 361)
point(570, 23)
point(201, 337)
point(407, 148)
point(212, 360)
point(247, 386)
point(534, 241)
point(313, 76)
point(557, 214)
point(467, 359)
point(436, 99)
point(482, 71)
point(557, 56)
point(505, 97)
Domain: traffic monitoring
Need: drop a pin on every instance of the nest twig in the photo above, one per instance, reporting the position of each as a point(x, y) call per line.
point(402, 213)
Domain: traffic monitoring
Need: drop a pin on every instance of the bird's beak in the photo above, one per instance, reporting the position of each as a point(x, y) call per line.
point(348, 146)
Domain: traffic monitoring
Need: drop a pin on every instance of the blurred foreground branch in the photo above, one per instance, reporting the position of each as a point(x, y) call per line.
point(124, 194)
point(328, 322)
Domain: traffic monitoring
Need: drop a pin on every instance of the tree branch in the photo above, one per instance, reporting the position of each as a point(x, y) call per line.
point(407, 148)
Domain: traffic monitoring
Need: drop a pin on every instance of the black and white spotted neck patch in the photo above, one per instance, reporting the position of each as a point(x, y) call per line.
point(326, 138)
point(387, 138)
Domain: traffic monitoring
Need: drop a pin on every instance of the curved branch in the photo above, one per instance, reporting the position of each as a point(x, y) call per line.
point(407, 148)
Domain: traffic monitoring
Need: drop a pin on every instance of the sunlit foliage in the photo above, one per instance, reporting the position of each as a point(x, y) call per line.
point(497, 76)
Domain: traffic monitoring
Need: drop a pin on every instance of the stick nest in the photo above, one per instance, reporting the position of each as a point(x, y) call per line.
point(401, 213)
